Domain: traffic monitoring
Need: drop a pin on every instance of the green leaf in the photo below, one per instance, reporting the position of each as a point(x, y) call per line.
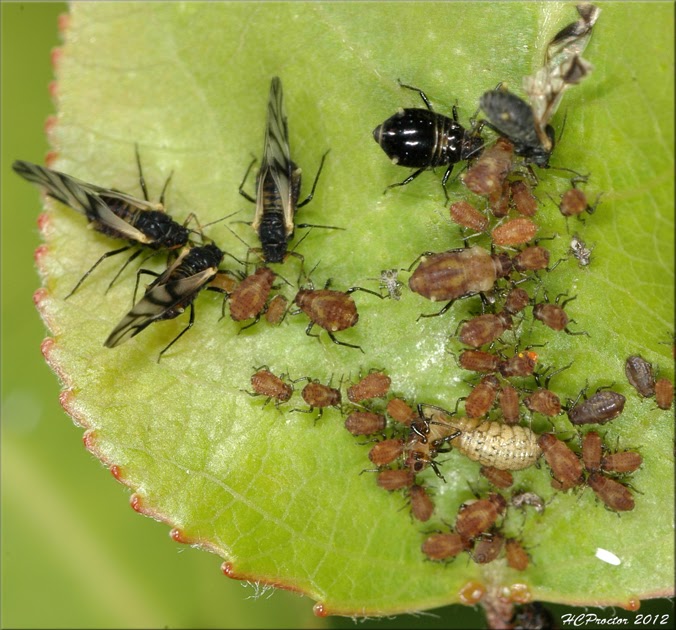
point(281, 498)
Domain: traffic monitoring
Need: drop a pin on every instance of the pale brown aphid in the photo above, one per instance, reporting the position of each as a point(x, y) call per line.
point(616, 496)
point(533, 258)
point(622, 462)
point(395, 479)
point(498, 201)
point(565, 464)
point(482, 397)
point(509, 404)
point(543, 401)
point(458, 273)
point(422, 505)
point(494, 444)
point(465, 214)
point(443, 546)
point(387, 451)
point(373, 385)
point(640, 375)
point(517, 299)
point(478, 361)
point(488, 173)
point(664, 393)
point(592, 451)
point(265, 383)
point(484, 329)
point(400, 411)
point(517, 558)
point(276, 309)
point(521, 364)
point(321, 396)
point(574, 202)
point(251, 294)
point(514, 232)
point(523, 198)
point(477, 517)
point(487, 548)
point(365, 423)
point(499, 478)
point(225, 282)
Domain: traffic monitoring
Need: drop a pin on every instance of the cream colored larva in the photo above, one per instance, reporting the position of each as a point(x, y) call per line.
point(494, 444)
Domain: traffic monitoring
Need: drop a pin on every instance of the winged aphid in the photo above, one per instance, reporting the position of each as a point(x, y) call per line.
point(142, 223)
point(277, 184)
point(170, 294)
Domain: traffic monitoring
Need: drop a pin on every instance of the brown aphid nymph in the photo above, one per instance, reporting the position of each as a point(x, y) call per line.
point(543, 401)
point(492, 443)
point(574, 202)
point(487, 548)
point(482, 397)
point(602, 407)
point(664, 393)
point(514, 232)
point(477, 517)
point(387, 451)
point(458, 273)
point(395, 479)
point(365, 423)
point(400, 411)
point(640, 375)
point(465, 214)
point(523, 198)
point(616, 496)
point(422, 506)
point(533, 258)
point(320, 396)
point(592, 451)
point(265, 383)
point(622, 462)
point(499, 478)
point(489, 171)
point(373, 385)
point(509, 404)
point(443, 546)
point(517, 299)
point(276, 309)
point(517, 558)
point(251, 294)
point(479, 361)
point(553, 316)
point(520, 365)
point(565, 464)
point(484, 329)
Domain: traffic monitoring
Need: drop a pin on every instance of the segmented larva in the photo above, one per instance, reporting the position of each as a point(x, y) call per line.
point(506, 447)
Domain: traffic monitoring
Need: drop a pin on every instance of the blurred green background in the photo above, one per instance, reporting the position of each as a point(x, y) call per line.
point(73, 554)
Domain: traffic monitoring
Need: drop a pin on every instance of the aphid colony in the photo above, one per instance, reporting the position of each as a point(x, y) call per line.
point(511, 419)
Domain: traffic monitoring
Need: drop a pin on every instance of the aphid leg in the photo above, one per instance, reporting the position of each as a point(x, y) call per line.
point(422, 94)
point(255, 321)
point(353, 289)
point(308, 199)
point(441, 312)
point(417, 259)
point(342, 343)
point(96, 264)
point(241, 186)
point(139, 273)
point(444, 179)
point(563, 304)
point(579, 332)
point(435, 467)
point(191, 321)
point(131, 258)
point(408, 180)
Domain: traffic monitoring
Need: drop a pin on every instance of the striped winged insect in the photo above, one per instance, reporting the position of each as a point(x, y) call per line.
point(113, 213)
point(277, 184)
point(526, 125)
point(170, 294)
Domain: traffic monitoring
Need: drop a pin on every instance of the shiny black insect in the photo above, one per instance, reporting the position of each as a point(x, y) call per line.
point(277, 184)
point(169, 294)
point(423, 139)
point(113, 213)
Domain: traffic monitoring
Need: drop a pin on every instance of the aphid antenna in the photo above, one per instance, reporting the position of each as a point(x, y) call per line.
point(241, 186)
point(540, 374)
point(578, 176)
point(120, 270)
point(99, 261)
point(418, 258)
point(142, 181)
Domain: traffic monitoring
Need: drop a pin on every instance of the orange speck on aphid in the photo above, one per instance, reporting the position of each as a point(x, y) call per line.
point(472, 593)
point(633, 604)
point(519, 593)
point(136, 503)
point(533, 356)
point(319, 610)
